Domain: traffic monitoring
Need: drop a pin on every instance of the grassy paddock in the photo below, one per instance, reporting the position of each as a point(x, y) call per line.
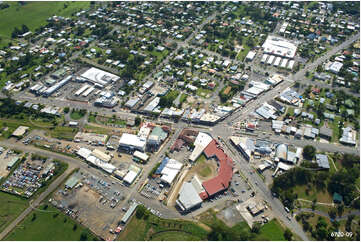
point(11, 206)
point(50, 225)
point(155, 228)
point(34, 15)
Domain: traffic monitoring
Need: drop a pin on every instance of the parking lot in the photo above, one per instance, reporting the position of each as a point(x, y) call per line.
point(93, 202)
point(28, 177)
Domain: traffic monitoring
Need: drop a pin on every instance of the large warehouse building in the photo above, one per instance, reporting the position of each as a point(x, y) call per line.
point(100, 77)
point(279, 47)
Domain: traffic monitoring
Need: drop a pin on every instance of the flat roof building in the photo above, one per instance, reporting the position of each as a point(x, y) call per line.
point(279, 46)
point(188, 197)
point(132, 142)
point(20, 131)
point(98, 76)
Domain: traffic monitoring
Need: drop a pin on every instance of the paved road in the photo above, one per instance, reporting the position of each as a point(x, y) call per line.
point(312, 66)
point(327, 147)
point(321, 213)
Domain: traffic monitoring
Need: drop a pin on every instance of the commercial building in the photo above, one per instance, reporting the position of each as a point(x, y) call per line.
point(290, 96)
point(132, 102)
point(98, 76)
point(88, 155)
point(201, 142)
point(250, 56)
point(279, 46)
point(188, 197)
point(245, 145)
point(222, 181)
point(157, 136)
point(132, 142)
point(133, 173)
point(82, 89)
point(141, 156)
point(49, 91)
point(168, 169)
point(267, 111)
point(334, 67)
point(101, 155)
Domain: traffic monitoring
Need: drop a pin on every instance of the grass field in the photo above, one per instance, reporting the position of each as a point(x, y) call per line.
point(321, 196)
point(61, 132)
point(174, 236)
point(11, 206)
point(34, 15)
point(203, 92)
point(76, 115)
point(49, 225)
point(155, 228)
point(271, 231)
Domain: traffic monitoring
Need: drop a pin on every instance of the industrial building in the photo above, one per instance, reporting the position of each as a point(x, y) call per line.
point(20, 131)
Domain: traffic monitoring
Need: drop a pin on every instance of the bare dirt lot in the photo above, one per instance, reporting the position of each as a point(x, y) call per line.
point(4, 160)
point(93, 211)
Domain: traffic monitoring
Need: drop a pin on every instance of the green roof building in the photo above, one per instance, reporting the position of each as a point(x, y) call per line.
point(337, 198)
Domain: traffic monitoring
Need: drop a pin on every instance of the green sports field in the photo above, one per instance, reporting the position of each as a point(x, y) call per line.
point(33, 14)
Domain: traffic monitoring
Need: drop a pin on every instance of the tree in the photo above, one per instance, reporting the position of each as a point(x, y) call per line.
point(288, 234)
point(24, 28)
point(137, 121)
point(340, 209)
point(309, 152)
point(256, 228)
point(332, 213)
point(140, 212)
point(84, 235)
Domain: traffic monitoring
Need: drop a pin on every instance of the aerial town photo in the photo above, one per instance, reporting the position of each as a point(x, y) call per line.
point(179, 120)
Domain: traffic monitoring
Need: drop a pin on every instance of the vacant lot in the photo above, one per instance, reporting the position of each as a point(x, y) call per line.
point(34, 15)
point(155, 228)
point(10, 207)
point(271, 231)
point(49, 224)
